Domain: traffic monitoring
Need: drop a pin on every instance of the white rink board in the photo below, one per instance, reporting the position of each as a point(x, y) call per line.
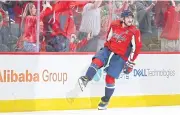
point(76, 65)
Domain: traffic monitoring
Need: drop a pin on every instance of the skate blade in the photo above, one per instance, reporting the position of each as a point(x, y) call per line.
point(81, 84)
point(102, 108)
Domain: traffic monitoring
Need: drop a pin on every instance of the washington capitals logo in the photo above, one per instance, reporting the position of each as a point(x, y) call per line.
point(120, 37)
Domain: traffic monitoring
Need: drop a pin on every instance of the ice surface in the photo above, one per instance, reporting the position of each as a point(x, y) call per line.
point(168, 110)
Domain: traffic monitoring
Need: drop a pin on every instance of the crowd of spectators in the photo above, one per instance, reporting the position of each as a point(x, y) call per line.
point(81, 26)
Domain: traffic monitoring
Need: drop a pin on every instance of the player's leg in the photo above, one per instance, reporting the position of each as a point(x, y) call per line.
point(99, 60)
point(116, 65)
point(109, 90)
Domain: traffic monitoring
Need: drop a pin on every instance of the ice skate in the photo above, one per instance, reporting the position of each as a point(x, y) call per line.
point(83, 81)
point(103, 104)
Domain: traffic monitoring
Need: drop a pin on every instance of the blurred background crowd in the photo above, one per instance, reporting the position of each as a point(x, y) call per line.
point(81, 26)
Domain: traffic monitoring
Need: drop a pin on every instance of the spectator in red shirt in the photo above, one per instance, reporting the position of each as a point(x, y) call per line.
point(29, 21)
point(170, 34)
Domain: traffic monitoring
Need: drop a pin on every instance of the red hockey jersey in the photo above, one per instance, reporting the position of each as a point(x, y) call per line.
point(119, 39)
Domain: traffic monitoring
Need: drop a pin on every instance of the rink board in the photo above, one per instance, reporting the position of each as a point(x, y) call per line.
point(41, 82)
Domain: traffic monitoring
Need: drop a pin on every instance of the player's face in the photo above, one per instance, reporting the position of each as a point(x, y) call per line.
point(128, 20)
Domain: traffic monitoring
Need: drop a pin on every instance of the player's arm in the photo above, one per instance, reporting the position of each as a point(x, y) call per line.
point(110, 31)
point(109, 34)
point(136, 46)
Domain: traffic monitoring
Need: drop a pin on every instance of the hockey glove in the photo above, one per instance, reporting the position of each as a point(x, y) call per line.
point(128, 67)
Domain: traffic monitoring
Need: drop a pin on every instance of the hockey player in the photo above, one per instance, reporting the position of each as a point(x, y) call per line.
point(123, 43)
